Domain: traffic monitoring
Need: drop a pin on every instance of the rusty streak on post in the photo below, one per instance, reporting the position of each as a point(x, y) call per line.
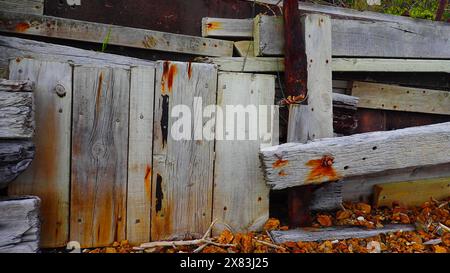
point(440, 10)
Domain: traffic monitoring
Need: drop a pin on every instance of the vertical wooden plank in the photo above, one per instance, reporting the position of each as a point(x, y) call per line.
point(315, 119)
point(182, 167)
point(49, 174)
point(142, 94)
point(241, 196)
point(99, 155)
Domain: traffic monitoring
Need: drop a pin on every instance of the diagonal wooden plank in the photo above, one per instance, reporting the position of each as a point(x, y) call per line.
point(99, 155)
point(49, 174)
point(182, 161)
point(140, 143)
point(62, 28)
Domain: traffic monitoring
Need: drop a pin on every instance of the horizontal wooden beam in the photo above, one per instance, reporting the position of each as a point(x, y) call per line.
point(25, 6)
point(16, 115)
point(333, 233)
point(224, 27)
point(401, 98)
point(16, 156)
point(16, 86)
point(411, 193)
point(62, 28)
point(332, 159)
point(274, 64)
point(354, 38)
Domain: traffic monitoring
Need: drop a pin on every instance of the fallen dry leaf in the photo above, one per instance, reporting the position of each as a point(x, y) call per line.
point(226, 237)
point(439, 249)
point(272, 224)
point(324, 220)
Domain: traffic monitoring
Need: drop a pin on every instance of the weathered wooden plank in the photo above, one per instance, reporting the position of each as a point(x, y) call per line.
point(13, 48)
point(48, 175)
point(23, 6)
point(54, 27)
point(241, 198)
point(182, 159)
point(331, 159)
point(315, 119)
point(15, 157)
point(401, 98)
point(16, 115)
point(244, 48)
point(411, 193)
point(333, 233)
point(353, 38)
point(140, 154)
point(225, 27)
point(19, 224)
point(99, 155)
point(274, 64)
point(16, 86)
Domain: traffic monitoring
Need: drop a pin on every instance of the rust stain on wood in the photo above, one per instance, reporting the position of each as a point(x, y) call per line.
point(282, 173)
point(99, 91)
point(213, 26)
point(172, 73)
point(169, 72)
point(189, 70)
point(322, 170)
point(280, 163)
point(147, 180)
point(22, 27)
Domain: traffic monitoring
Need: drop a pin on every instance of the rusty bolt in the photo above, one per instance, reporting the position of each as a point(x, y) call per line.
point(327, 160)
point(60, 90)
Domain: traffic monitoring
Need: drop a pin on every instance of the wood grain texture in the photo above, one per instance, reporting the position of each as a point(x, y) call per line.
point(244, 48)
point(61, 28)
point(241, 198)
point(401, 98)
point(140, 143)
point(23, 6)
point(333, 233)
point(19, 224)
point(17, 48)
point(227, 27)
point(354, 38)
point(315, 119)
point(356, 155)
point(99, 155)
point(48, 175)
point(182, 166)
point(411, 193)
point(16, 86)
point(16, 115)
point(15, 157)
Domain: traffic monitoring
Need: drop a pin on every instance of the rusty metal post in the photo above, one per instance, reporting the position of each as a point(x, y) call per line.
point(296, 86)
point(440, 10)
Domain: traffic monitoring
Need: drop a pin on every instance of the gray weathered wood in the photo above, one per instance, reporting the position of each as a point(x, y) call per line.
point(353, 38)
point(17, 48)
point(48, 175)
point(16, 86)
point(140, 141)
point(62, 28)
point(274, 64)
point(333, 233)
point(16, 115)
point(355, 155)
point(99, 155)
point(19, 224)
point(401, 98)
point(24, 6)
point(241, 198)
point(244, 48)
point(15, 157)
point(315, 119)
point(182, 184)
point(225, 27)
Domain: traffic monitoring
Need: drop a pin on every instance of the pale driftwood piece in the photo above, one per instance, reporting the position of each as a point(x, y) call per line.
point(333, 233)
point(241, 198)
point(99, 155)
point(142, 92)
point(244, 48)
point(17, 48)
point(315, 119)
point(225, 27)
point(19, 224)
point(274, 64)
point(15, 157)
point(352, 38)
point(355, 155)
point(401, 98)
point(55, 27)
point(48, 175)
point(23, 6)
point(16, 86)
point(16, 115)
point(338, 12)
point(182, 181)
